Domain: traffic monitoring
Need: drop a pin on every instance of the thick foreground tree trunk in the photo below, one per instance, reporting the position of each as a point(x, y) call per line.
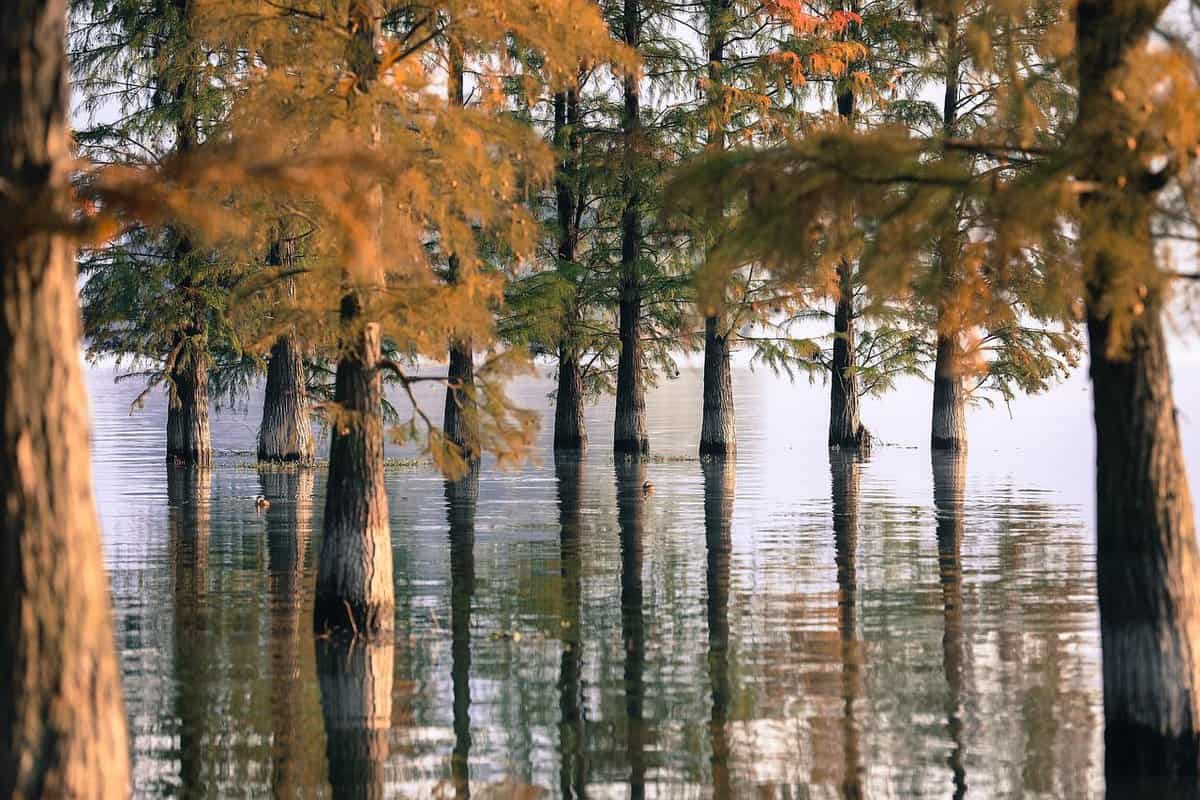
point(62, 725)
point(354, 574)
point(949, 428)
point(285, 434)
point(720, 477)
point(630, 431)
point(949, 481)
point(570, 430)
point(189, 432)
point(572, 747)
point(631, 512)
point(355, 679)
point(718, 435)
point(461, 497)
point(845, 428)
point(1148, 563)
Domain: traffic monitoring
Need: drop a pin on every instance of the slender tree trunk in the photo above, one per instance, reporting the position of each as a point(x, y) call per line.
point(189, 432)
point(461, 497)
point(355, 679)
point(949, 479)
point(62, 724)
point(570, 431)
point(720, 477)
point(949, 397)
point(568, 473)
point(845, 427)
point(630, 431)
point(1148, 563)
point(718, 436)
point(631, 511)
point(285, 434)
point(846, 469)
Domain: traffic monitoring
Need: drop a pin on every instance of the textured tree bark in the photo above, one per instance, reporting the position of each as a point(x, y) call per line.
point(570, 430)
point(845, 470)
point(189, 432)
point(573, 774)
point(285, 434)
point(630, 432)
point(846, 430)
point(289, 530)
point(354, 575)
point(62, 724)
point(718, 435)
point(189, 526)
point(355, 679)
point(461, 497)
point(949, 427)
point(459, 420)
point(1148, 564)
point(949, 480)
point(631, 512)
point(720, 477)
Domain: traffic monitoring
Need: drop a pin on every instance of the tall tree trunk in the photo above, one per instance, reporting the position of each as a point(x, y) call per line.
point(846, 469)
point(846, 430)
point(568, 473)
point(630, 431)
point(718, 436)
point(949, 479)
point(354, 590)
point(631, 512)
point(949, 428)
point(1148, 564)
point(189, 432)
point(189, 526)
point(285, 434)
point(62, 724)
point(461, 497)
point(570, 431)
point(355, 679)
point(720, 476)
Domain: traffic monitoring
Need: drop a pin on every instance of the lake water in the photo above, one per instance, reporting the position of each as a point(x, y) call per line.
point(787, 627)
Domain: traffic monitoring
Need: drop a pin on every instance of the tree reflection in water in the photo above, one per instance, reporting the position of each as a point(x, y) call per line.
point(949, 479)
point(461, 497)
point(631, 509)
point(720, 477)
point(568, 473)
point(845, 468)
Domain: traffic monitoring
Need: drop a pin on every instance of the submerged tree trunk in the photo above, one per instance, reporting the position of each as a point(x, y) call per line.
point(461, 497)
point(719, 481)
point(285, 434)
point(949, 429)
point(572, 737)
point(717, 432)
point(845, 428)
point(1148, 563)
point(189, 433)
point(630, 433)
point(631, 512)
point(949, 479)
point(354, 575)
point(62, 724)
point(355, 679)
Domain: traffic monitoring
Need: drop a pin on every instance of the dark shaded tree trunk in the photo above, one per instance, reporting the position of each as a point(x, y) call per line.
point(1148, 564)
point(949, 426)
point(354, 591)
point(630, 432)
point(718, 435)
point(285, 434)
point(573, 774)
point(846, 469)
point(631, 512)
point(189, 432)
point(62, 724)
point(570, 431)
point(720, 477)
point(461, 497)
point(846, 430)
point(949, 480)
point(355, 679)
point(189, 526)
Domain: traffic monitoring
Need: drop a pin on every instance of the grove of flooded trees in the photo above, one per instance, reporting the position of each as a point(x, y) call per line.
point(346, 199)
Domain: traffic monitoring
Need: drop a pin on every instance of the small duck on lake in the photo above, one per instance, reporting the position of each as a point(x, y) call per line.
point(647, 489)
point(262, 503)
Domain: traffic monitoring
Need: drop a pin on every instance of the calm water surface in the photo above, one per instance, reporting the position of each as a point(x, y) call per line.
point(791, 626)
